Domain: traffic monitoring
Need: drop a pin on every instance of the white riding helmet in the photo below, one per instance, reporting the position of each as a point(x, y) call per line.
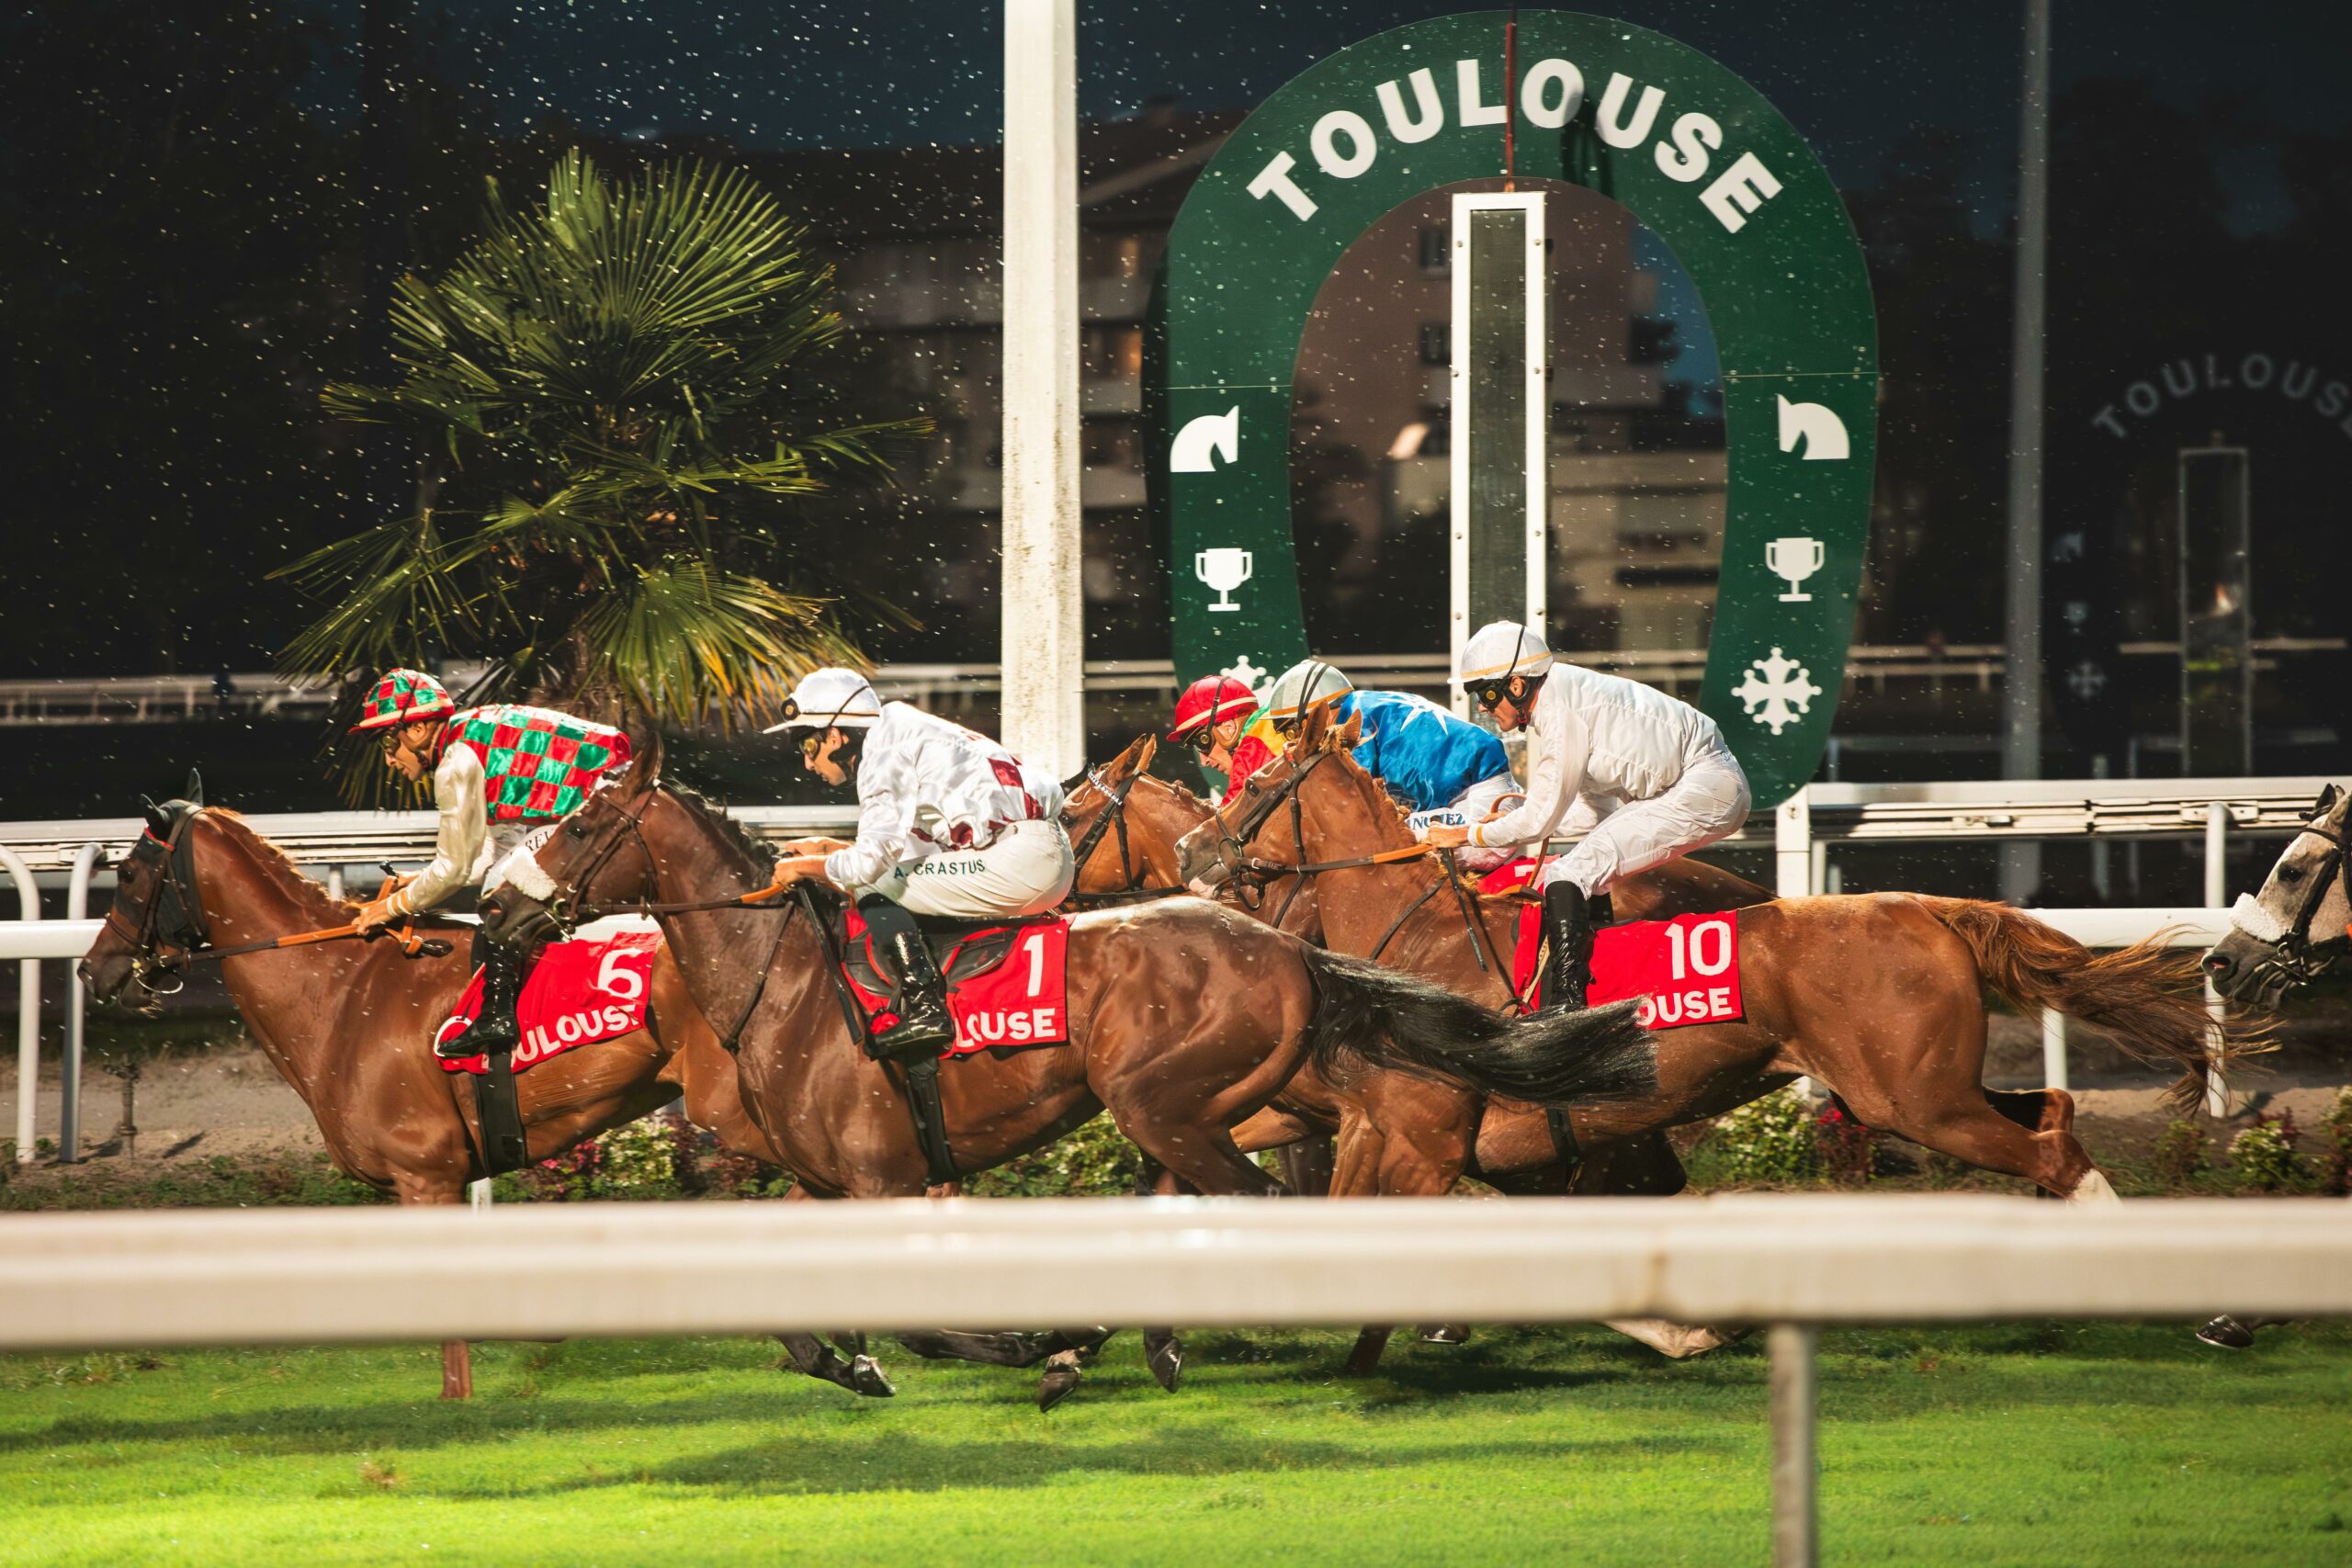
point(1500, 650)
point(1305, 683)
point(831, 698)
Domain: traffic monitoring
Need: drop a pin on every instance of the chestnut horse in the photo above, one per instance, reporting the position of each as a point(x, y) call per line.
point(1877, 997)
point(346, 1025)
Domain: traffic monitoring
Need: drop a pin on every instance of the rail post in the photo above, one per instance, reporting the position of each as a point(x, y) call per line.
point(1793, 845)
point(77, 1004)
point(2054, 1048)
point(1795, 1543)
point(2217, 878)
point(28, 1005)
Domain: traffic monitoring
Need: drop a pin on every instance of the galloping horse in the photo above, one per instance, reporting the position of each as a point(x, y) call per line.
point(346, 1024)
point(2280, 940)
point(1878, 997)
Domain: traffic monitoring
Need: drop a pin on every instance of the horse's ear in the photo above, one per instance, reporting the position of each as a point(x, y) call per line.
point(157, 822)
point(1146, 751)
point(644, 752)
point(1346, 735)
point(195, 795)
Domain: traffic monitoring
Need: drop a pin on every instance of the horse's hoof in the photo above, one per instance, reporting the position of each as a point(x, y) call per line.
point(865, 1377)
point(1167, 1363)
point(1088, 1341)
point(1446, 1334)
point(2227, 1333)
point(1059, 1381)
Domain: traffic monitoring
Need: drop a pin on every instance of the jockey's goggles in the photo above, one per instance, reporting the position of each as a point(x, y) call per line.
point(1202, 740)
point(1490, 694)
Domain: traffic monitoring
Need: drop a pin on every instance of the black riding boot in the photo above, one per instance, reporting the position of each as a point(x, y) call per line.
point(1567, 921)
point(924, 1024)
point(494, 1029)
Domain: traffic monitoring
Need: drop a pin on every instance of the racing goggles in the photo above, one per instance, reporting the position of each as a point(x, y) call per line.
point(1490, 694)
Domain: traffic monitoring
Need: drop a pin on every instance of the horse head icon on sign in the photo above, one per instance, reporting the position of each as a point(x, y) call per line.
point(1694, 154)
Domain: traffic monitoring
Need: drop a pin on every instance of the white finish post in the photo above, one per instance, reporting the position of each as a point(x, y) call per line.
point(2217, 879)
point(2021, 685)
point(1044, 609)
point(1794, 1541)
point(1793, 846)
point(28, 1005)
point(2054, 1048)
point(1535, 453)
point(77, 1002)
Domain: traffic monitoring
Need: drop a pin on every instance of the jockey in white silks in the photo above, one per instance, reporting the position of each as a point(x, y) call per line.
point(949, 823)
point(1654, 771)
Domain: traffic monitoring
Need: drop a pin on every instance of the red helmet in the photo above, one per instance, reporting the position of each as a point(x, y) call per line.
point(1212, 699)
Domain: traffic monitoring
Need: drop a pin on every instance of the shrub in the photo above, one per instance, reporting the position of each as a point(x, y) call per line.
point(1094, 1161)
point(2181, 1153)
point(1768, 1140)
point(2264, 1155)
point(2336, 1172)
point(1845, 1148)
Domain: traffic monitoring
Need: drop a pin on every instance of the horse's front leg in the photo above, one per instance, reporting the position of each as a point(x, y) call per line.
point(444, 1190)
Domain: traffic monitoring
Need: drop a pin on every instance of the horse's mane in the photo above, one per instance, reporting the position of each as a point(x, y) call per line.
point(280, 869)
point(734, 832)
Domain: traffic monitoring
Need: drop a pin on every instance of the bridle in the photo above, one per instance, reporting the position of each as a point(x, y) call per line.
point(2295, 958)
point(164, 929)
point(1112, 817)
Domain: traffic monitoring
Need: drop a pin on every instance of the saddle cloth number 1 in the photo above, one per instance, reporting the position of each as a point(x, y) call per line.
point(1023, 1001)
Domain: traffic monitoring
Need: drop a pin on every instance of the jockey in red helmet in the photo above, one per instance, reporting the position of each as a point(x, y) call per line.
point(1211, 717)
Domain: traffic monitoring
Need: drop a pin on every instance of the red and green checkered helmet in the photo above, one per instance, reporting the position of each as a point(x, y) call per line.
point(403, 696)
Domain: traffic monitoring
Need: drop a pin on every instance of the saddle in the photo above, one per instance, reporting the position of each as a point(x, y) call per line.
point(964, 950)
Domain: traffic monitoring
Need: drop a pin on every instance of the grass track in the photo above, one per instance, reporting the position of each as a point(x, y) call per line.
point(2027, 1444)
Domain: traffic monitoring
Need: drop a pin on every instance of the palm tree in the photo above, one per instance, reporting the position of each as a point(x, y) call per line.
point(617, 396)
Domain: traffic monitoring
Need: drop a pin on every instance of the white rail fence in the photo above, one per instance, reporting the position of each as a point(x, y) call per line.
point(337, 844)
point(298, 1276)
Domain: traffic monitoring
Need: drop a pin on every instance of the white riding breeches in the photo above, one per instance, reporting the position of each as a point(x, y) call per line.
point(1026, 870)
point(1708, 802)
point(1470, 807)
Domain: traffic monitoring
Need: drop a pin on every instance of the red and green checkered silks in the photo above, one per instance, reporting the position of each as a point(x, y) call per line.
point(403, 696)
point(539, 763)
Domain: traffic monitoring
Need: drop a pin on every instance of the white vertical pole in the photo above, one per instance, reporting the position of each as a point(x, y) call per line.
point(2021, 680)
point(28, 1005)
point(1794, 1541)
point(1043, 608)
point(1793, 846)
point(2054, 1048)
point(77, 1002)
point(2217, 849)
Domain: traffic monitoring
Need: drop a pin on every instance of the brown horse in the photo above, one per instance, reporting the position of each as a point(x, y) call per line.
point(345, 1023)
point(1185, 1017)
point(1877, 997)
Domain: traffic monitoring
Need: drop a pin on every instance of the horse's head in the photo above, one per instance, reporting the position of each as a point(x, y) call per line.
point(155, 914)
point(598, 856)
point(1255, 830)
point(2294, 930)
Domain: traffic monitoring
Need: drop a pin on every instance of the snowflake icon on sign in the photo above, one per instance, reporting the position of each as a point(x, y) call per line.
point(1777, 690)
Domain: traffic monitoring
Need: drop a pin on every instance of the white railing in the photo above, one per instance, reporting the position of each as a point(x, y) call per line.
point(140, 699)
point(93, 1281)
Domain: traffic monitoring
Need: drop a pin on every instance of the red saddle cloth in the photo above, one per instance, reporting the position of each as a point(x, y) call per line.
point(1685, 970)
point(578, 993)
point(1022, 998)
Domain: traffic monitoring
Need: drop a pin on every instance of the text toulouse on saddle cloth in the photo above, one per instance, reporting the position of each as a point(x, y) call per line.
point(578, 993)
point(1685, 970)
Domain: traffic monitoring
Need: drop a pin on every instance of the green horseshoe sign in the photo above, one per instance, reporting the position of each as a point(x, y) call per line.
point(1699, 157)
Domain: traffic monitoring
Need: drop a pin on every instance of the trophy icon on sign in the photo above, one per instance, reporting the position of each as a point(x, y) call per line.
point(1795, 558)
point(1224, 570)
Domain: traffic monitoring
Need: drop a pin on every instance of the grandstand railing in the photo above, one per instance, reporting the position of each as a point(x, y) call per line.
point(124, 1280)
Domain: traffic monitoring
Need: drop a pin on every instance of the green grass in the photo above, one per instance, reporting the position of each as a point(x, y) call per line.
point(2027, 1444)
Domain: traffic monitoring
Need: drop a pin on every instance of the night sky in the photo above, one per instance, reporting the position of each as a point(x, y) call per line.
point(1849, 73)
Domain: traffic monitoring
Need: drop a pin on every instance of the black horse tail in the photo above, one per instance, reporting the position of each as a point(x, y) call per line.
point(1366, 1014)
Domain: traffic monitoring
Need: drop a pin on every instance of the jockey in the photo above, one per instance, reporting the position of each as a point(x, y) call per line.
point(949, 823)
point(1445, 771)
point(1654, 771)
point(1211, 717)
point(499, 774)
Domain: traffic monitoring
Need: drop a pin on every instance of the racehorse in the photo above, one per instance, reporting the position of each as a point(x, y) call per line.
point(1184, 1017)
point(346, 1024)
point(2281, 939)
point(1877, 997)
point(1402, 1130)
